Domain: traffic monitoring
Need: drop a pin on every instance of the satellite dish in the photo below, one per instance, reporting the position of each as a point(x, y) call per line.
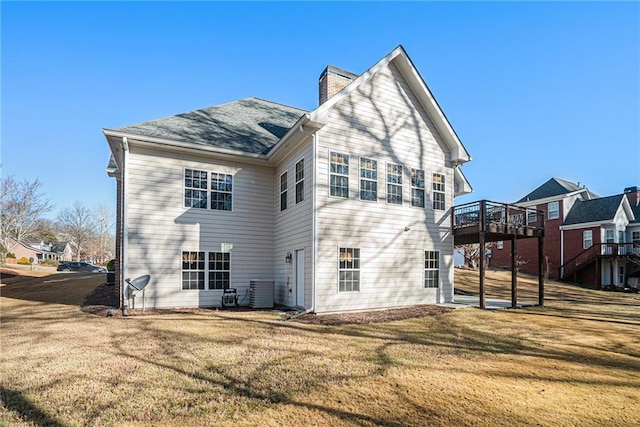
point(137, 284)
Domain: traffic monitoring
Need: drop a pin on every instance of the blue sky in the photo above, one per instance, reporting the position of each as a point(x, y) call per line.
point(534, 90)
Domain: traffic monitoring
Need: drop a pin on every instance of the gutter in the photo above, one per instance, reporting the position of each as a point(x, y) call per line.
point(125, 228)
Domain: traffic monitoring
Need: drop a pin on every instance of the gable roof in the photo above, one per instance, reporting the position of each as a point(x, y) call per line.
point(554, 187)
point(596, 210)
point(250, 125)
point(399, 57)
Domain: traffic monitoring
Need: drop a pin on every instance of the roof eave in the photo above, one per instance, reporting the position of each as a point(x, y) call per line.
point(178, 145)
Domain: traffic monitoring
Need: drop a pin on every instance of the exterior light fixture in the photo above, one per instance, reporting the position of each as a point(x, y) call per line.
point(288, 258)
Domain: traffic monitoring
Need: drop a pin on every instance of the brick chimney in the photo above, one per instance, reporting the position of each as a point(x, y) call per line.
point(633, 194)
point(333, 80)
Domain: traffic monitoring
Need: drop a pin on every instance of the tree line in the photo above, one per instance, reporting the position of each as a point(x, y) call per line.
point(23, 206)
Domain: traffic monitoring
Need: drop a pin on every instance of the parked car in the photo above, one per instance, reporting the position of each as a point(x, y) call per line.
point(86, 267)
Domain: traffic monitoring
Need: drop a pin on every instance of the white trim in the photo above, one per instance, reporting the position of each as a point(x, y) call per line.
point(404, 64)
point(557, 211)
point(387, 183)
point(296, 182)
point(424, 188)
point(286, 171)
point(585, 225)
point(329, 173)
point(360, 179)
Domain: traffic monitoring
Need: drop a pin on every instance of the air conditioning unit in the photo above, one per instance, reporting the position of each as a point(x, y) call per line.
point(261, 293)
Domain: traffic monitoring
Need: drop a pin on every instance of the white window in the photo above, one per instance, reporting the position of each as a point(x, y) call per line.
point(339, 175)
point(195, 189)
point(609, 236)
point(349, 269)
point(394, 184)
point(532, 215)
point(368, 179)
point(300, 181)
point(431, 269)
point(219, 270)
point(221, 191)
point(587, 239)
point(283, 191)
point(438, 191)
point(553, 210)
point(193, 270)
point(500, 244)
point(417, 188)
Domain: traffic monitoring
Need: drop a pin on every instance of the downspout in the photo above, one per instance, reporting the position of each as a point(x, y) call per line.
point(125, 228)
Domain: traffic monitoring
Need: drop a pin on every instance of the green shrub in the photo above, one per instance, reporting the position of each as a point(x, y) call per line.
point(24, 261)
point(11, 255)
point(111, 265)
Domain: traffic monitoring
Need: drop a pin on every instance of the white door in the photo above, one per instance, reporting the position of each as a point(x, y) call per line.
point(299, 275)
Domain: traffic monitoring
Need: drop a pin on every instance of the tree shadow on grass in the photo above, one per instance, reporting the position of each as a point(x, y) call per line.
point(15, 402)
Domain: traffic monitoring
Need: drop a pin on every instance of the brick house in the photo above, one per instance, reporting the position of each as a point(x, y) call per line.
point(588, 239)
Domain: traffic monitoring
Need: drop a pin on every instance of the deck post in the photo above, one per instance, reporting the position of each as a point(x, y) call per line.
point(540, 272)
point(482, 253)
point(514, 272)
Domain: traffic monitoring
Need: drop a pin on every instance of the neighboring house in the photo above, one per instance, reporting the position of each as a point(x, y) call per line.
point(40, 251)
point(588, 239)
point(345, 207)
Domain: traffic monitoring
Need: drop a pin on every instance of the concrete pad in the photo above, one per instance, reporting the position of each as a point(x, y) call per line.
point(465, 301)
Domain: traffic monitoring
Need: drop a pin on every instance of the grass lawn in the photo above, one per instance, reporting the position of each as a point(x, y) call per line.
point(575, 361)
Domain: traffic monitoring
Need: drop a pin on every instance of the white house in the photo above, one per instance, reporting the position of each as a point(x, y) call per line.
point(345, 207)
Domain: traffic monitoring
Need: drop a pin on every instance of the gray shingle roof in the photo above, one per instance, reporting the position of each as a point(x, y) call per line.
point(553, 187)
point(636, 213)
point(595, 210)
point(250, 125)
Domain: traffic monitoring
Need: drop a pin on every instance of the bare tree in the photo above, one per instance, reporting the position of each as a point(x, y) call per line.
point(22, 205)
point(77, 224)
point(103, 218)
point(471, 253)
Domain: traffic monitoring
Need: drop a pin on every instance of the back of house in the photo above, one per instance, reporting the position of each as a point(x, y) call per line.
point(344, 207)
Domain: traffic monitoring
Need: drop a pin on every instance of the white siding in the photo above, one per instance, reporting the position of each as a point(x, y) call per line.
point(160, 227)
point(293, 226)
point(382, 120)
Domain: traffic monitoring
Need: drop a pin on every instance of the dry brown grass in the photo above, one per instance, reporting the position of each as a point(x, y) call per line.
point(574, 362)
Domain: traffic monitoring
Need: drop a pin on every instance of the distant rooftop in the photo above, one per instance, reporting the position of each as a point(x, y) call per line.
point(554, 187)
point(595, 210)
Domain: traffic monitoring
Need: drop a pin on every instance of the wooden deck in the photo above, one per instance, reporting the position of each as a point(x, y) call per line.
point(497, 221)
point(485, 221)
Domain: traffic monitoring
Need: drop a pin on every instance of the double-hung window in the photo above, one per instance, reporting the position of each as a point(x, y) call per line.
point(394, 184)
point(195, 188)
point(431, 269)
point(283, 191)
point(201, 272)
point(587, 239)
point(221, 191)
point(349, 269)
point(300, 181)
point(553, 210)
point(417, 188)
point(219, 270)
point(438, 191)
point(339, 175)
point(368, 179)
point(193, 270)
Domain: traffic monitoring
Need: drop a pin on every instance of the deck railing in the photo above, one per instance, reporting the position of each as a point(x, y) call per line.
point(596, 251)
point(484, 213)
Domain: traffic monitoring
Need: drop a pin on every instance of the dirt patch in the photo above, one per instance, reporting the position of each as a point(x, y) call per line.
point(377, 316)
